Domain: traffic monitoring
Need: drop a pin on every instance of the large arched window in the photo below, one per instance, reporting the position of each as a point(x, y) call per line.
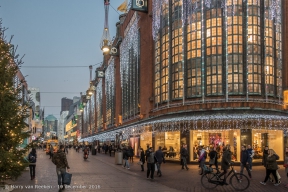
point(254, 47)
point(235, 48)
point(176, 64)
point(194, 56)
point(231, 47)
point(214, 49)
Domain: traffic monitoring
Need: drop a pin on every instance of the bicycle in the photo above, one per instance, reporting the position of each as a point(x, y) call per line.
point(210, 179)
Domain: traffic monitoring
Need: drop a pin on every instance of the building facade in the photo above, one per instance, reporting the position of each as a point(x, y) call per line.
point(38, 113)
point(203, 73)
point(71, 128)
point(61, 126)
point(50, 127)
point(23, 95)
point(65, 104)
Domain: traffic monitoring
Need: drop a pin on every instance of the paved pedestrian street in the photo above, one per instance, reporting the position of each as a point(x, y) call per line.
point(99, 173)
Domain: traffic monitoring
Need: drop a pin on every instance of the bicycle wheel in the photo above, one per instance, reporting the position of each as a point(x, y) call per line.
point(239, 182)
point(206, 180)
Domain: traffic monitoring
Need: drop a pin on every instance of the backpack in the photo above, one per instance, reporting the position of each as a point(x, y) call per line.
point(32, 158)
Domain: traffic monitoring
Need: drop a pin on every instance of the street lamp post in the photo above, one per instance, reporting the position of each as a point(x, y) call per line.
point(105, 41)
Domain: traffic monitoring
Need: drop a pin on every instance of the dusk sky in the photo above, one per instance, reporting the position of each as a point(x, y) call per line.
point(57, 33)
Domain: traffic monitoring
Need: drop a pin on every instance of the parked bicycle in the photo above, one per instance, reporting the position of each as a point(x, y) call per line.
point(211, 179)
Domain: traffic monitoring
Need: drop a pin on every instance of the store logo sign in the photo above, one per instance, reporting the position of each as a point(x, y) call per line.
point(139, 5)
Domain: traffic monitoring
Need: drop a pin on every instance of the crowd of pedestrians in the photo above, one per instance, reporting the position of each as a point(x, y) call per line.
point(154, 160)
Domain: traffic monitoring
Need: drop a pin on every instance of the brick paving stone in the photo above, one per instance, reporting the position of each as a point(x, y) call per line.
point(91, 173)
point(176, 178)
point(100, 170)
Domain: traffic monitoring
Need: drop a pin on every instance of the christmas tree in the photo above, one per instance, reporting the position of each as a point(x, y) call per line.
point(13, 113)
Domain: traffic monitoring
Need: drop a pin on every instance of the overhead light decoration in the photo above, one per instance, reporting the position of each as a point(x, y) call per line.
point(105, 44)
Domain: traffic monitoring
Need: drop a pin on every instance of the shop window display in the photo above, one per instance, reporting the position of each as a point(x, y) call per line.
point(216, 139)
point(159, 140)
point(146, 140)
point(134, 143)
point(170, 143)
point(271, 138)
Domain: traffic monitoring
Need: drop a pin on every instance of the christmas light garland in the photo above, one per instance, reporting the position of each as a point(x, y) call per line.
point(131, 41)
point(220, 122)
point(110, 90)
point(99, 104)
point(156, 19)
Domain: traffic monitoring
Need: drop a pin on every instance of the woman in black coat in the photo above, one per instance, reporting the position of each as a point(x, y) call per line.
point(32, 157)
point(142, 158)
point(225, 163)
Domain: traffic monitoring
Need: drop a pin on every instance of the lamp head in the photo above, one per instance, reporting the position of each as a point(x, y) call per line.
point(105, 48)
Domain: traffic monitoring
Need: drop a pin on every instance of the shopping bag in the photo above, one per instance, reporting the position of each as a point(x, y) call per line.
point(156, 167)
point(140, 163)
point(67, 178)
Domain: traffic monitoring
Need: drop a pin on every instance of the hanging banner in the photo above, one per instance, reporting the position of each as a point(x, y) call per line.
point(139, 5)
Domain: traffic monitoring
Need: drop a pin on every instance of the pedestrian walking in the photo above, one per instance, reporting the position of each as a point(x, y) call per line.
point(184, 156)
point(106, 148)
point(125, 158)
point(244, 161)
point(265, 155)
point(110, 149)
point(286, 163)
point(66, 149)
point(130, 153)
point(95, 148)
point(225, 163)
point(202, 159)
point(51, 152)
point(160, 159)
point(60, 160)
point(271, 167)
point(251, 154)
point(213, 158)
point(142, 158)
point(32, 157)
point(151, 160)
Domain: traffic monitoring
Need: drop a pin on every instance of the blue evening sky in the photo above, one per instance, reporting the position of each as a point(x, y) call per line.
point(57, 33)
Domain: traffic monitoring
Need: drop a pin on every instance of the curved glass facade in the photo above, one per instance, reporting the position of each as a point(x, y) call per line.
point(220, 48)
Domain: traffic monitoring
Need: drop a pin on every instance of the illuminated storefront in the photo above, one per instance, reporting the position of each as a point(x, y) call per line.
point(216, 78)
point(170, 143)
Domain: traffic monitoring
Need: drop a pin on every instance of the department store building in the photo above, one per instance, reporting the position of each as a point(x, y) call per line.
point(200, 72)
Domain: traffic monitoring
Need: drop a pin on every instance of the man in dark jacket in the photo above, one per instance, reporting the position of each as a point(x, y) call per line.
point(142, 159)
point(60, 160)
point(160, 158)
point(184, 156)
point(225, 163)
point(251, 154)
point(244, 160)
point(265, 155)
point(151, 160)
point(213, 158)
point(125, 158)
